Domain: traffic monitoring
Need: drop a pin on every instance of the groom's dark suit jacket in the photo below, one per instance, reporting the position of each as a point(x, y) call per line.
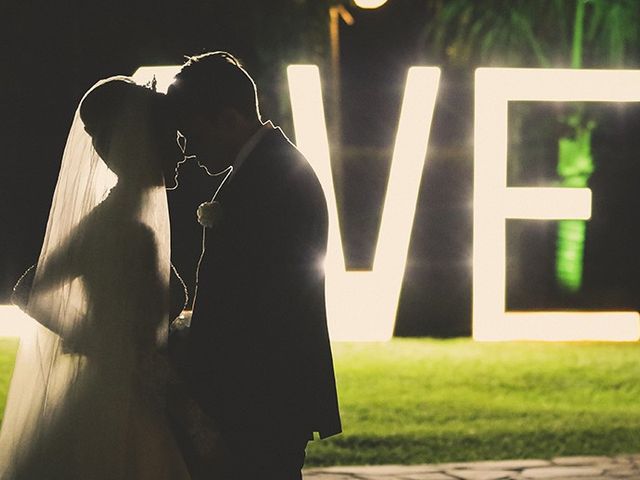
point(259, 353)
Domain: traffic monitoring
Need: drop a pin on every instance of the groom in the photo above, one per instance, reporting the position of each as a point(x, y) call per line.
point(259, 362)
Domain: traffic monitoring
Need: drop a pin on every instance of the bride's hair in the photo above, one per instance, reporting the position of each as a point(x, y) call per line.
point(119, 109)
point(109, 101)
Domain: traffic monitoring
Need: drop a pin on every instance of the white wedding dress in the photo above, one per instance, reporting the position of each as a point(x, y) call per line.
point(87, 395)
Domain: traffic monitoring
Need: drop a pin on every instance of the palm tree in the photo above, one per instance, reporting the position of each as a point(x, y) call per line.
point(544, 33)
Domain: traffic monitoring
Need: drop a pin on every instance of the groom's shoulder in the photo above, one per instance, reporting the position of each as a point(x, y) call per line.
point(281, 146)
point(289, 162)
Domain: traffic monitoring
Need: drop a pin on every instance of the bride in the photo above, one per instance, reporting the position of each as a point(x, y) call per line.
point(87, 397)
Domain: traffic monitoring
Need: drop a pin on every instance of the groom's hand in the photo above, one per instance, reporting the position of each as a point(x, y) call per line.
point(211, 456)
point(200, 440)
point(207, 443)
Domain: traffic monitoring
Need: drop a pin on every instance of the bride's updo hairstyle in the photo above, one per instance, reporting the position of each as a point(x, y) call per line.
point(125, 121)
point(114, 102)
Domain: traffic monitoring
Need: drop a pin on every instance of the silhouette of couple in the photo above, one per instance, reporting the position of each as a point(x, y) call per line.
point(95, 393)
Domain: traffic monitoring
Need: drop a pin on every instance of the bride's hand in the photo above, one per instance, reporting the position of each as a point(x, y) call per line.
point(22, 288)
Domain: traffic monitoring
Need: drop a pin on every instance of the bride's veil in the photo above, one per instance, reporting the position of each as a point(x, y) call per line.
point(51, 367)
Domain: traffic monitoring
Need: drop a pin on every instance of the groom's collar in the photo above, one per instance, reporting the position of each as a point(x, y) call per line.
point(249, 146)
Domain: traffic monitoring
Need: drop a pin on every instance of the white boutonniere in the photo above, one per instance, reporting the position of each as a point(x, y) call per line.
point(209, 214)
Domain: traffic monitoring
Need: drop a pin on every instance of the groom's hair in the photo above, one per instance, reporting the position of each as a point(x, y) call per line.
point(213, 81)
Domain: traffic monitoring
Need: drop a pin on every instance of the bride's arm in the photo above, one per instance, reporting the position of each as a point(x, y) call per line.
point(21, 296)
point(59, 266)
point(29, 293)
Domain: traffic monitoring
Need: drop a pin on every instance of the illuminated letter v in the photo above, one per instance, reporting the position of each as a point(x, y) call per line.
point(362, 305)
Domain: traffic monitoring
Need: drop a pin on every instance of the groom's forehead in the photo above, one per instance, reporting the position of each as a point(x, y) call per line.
point(176, 103)
point(178, 98)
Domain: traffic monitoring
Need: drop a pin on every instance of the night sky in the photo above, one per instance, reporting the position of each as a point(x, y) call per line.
point(53, 52)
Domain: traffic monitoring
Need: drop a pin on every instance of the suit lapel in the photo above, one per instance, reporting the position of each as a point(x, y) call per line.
point(244, 187)
point(239, 192)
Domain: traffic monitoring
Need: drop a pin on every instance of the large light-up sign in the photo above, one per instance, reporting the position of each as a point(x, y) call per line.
point(494, 202)
point(362, 304)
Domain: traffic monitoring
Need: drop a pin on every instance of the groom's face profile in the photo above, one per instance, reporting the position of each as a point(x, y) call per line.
point(208, 138)
point(216, 110)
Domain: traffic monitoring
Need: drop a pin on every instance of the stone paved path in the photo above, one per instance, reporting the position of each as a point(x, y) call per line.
point(621, 467)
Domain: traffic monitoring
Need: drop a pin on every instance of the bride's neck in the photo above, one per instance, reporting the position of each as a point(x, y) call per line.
point(139, 183)
point(131, 190)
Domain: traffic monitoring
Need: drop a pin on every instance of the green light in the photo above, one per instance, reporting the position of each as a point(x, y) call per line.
point(570, 254)
point(575, 166)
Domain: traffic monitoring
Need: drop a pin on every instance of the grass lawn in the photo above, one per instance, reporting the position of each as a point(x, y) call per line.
point(423, 400)
point(8, 348)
